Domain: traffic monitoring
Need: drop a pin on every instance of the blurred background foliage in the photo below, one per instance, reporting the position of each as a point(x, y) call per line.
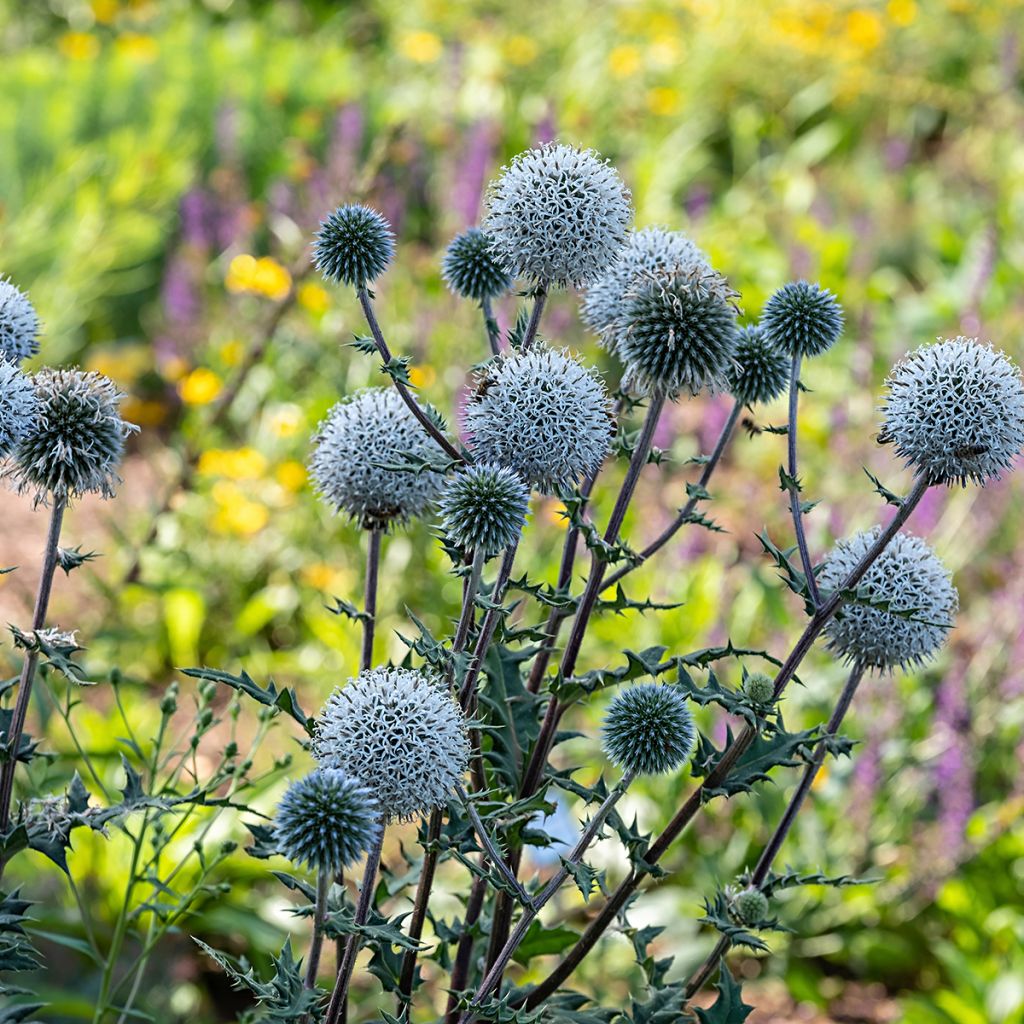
point(163, 166)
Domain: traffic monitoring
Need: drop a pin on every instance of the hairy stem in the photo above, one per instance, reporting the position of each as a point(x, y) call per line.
point(316, 945)
point(794, 493)
point(419, 909)
point(370, 599)
point(491, 849)
point(540, 298)
point(464, 950)
point(491, 326)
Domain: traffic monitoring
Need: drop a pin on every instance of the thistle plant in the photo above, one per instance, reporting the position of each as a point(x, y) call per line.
point(17, 406)
point(19, 324)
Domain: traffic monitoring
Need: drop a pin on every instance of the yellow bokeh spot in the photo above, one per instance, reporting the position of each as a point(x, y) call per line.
point(664, 50)
point(200, 386)
point(555, 512)
point(78, 45)
point(422, 376)
point(263, 276)
point(123, 364)
point(231, 352)
point(901, 12)
point(234, 463)
point(321, 576)
point(624, 61)
point(422, 47)
point(821, 778)
point(314, 298)
point(663, 100)
point(291, 475)
point(864, 29)
point(104, 11)
point(174, 368)
point(137, 46)
point(521, 49)
point(243, 517)
point(286, 421)
point(143, 412)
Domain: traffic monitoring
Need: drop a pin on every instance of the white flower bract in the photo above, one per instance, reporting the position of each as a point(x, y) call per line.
point(17, 405)
point(19, 324)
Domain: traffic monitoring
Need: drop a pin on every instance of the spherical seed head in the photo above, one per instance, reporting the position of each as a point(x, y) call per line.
point(542, 414)
point(649, 729)
point(483, 508)
point(401, 733)
point(74, 443)
point(469, 270)
point(908, 575)
point(760, 371)
point(557, 215)
point(680, 331)
point(759, 687)
point(749, 906)
point(802, 319)
point(327, 820)
point(353, 246)
point(647, 251)
point(17, 405)
point(361, 437)
point(19, 324)
point(955, 411)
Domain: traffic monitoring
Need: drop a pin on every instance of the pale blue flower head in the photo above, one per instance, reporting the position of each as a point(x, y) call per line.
point(19, 324)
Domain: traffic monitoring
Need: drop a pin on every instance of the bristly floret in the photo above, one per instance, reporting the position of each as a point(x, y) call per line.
point(647, 251)
point(542, 414)
point(760, 371)
point(74, 443)
point(356, 448)
point(17, 405)
point(802, 319)
point(19, 324)
point(557, 215)
point(483, 508)
point(400, 732)
point(469, 270)
point(955, 411)
point(680, 332)
point(749, 906)
point(649, 729)
point(908, 578)
point(353, 246)
point(326, 820)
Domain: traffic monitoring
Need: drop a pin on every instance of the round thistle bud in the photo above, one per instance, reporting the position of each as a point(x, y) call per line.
point(680, 331)
point(484, 507)
point(955, 411)
point(802, 319)
point(557, 215)
point(326, 820)
point(647, 251)
point(911, 579)
point(353, 246)
point(401, 733)
point(542, 414)
point(469, 270)
point(760, 371)
point(363, 435)
point(759, 687)
point(649, 729)
point(17, 405)
point(749, 907)
point(75, 441)
point(19, 324)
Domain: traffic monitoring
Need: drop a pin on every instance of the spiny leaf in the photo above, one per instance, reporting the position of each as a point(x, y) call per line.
point(270, 696)
point(729, 1007)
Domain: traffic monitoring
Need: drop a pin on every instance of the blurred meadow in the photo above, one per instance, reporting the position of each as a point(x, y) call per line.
point(162, 168)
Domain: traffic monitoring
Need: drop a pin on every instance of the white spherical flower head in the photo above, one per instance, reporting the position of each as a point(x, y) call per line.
point(955, 411)
point(361, 437)
point(401, 734)
point(911, 578)
point(557, 215)
point(647, 251)
point(542, 414)
point(19, 324)
point(17, 405)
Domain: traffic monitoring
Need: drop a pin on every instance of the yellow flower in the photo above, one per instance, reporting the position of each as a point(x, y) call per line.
point(145, 412)
point(321, 576)
point(422, 47)
point(244, 518)
point(137, 47)
point(291, 475)
point(521, 49)
point(864, 29)
point(104, 11)
point(286, 420)
point(314, 298)
point(901, 12)
point(624, 61)
point(263, 276)
point(78, 45)
point(422, 376)
point(663, 100)
point(200, 386)
point(231, 352)
point(235, 463)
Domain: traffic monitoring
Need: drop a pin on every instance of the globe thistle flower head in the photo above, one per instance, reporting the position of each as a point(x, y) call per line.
point(647, 251)
point(749, 907)
point(353, 246)
point(19, 324)
point(760, 371)
point(955, 411)
point(469, 270)
point(802, 319)
point(363, 435)
point(400, 732)
point(759, 687)
point(911, 578)
point(17, 405)
point(649, 729)
point(326, 820)
point(74, 443)
point(542, 414)
point(483, 508)
point(557, 215)
point(680, 331)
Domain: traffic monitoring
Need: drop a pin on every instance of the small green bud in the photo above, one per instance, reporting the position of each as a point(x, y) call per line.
point(207, 688)
point(759, 687)
point(229, 847)
point(231, 750)
point(205, 717)
point(749, 907)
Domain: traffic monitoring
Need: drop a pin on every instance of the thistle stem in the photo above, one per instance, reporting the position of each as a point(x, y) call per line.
point(316, 945)
point(729, 758)
point(370, 599)
point(491, 326)
point(28, 667)
point(794, 493)
point(491, 849)
point(540, 298)
point(414, 407)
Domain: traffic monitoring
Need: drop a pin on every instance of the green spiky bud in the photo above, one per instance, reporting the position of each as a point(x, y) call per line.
point(802, 319)
point(469, 270)
point(353, 246)
point(649, 729)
